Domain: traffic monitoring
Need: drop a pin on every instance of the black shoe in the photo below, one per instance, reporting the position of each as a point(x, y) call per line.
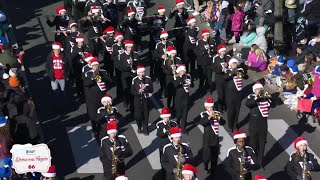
point(139, 131)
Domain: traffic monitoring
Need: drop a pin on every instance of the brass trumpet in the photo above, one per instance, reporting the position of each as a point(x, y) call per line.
point(216, 115)
point(240, 73)
point(109, 109)
point(264, 94)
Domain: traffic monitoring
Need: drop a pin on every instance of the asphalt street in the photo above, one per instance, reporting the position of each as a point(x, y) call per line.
point(68, 133)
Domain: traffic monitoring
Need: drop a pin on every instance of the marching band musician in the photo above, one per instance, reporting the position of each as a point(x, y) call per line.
point(182, 83)
point(106, 113)
point(163, 128)
point(169, 67)
point(108, 41)
point(89, 6)
point(301, 162)
point(259, 105)
point(210, 120)
point(241, 159)
point(77, 60)
point(127, 63)
point(130, 27)
point(95, 82)
point(189, 55)
point(189, 172)
point(71, 36)
point(181, 15)
point(117, 48)
point(61, 22)
point(114, 149)
point(139, 8)
point(204, 61)
point(175, 155)
point(234, 86)
point(219, 67)
point(110, 12)
point(141, 89)
point(160, 55)
point(87, 67)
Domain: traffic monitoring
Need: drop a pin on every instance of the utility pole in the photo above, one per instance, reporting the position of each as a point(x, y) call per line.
point(278, 27)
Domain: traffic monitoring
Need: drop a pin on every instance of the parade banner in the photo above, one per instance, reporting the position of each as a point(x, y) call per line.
point(29, 158)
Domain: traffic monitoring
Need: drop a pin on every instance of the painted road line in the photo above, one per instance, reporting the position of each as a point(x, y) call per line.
point(226, 143)
point(85, 150)
point(284, 135)
point(150, 146)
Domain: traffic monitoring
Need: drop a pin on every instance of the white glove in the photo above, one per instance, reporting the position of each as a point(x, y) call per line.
point(313, 98)
point(5, 76)
point(312, 42)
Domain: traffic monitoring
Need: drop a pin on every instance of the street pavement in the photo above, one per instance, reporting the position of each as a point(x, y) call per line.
point(67, 131)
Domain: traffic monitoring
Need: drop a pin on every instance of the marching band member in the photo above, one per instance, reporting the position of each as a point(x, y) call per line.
point(182, 83)
point(259, 103)
point(301, 162)
point(130, 27)
point(96, 81)
point(210, 120)
point(108, 41)
point(259, 177)
point(169, 67)
point(204, 61)
point(127, 63)
point(141, 89)
point(180, 14)
point(90, 4)
point(139, 8)
point(160, 55)
point(241, 159)
point(114, 149)
point(189, 55)
point(219, 67)
point(163, 128)
point(77, 60)
point(61, 22)
point(117, 48)
point(175, 155)
point(110, 12)
point(106, 113)
point(189, 172)
point(233, 92)
point(71, 36)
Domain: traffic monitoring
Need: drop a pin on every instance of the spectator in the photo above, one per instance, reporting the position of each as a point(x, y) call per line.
point(309, 63)
point(261, 40)
point(223, 20)
point(236, 26)
point(5, 138)
point(259, 18)
point(257, 60)
point(301, 52)
point(310, 10)
point(297, 76)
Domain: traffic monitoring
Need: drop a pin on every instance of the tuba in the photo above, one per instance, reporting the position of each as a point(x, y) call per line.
point(114, 158)
point(179, 164)
point(243, 170)
point(305, 173)
point(109, 109)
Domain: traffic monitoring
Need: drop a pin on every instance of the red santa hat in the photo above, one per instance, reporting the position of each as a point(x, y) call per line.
point(221, 48)
point(60, 9)
point(112, 127)
point(118, 35)
point(140, 68)
point(131, 12)
point(57, 46)
point(189, 169)
point(239, 134)
point(128, 43)
point(108, 30)
point(209, 102)
point(106, 97)
point(191, 19)
point(205, 32)
point(161, 8)
point(121, 177)
point(73, 24)
point(175, 132)
point(233, 60)
point(179, 2)
point(79, 39)
point(88, 57)
point(165, 113)
point(51, 172)
point(94, 61)
point(164, 34)
point(181, 67)
point(299, 141)
point(257, 85)
point(259, 177)
point(171, 50)
point(95, 9)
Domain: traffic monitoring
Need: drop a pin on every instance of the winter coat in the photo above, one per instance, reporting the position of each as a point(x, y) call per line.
point(316, 85)
point(259, 64)
point(312, 11)
point(237, 21)
point(249, 39)
point(261, 40)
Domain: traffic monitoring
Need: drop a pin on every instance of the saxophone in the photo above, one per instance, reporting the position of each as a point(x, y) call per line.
point(109, 109)
point(179, 164)
point(243, 170)
point(114, 158)
point(305, 173)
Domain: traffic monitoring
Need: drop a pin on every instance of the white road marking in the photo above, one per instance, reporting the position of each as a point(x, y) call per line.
point(150, 146)
point(278, 128)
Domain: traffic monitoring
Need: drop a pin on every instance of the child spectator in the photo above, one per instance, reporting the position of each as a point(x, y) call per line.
point(257, 60)
point(237, 21)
